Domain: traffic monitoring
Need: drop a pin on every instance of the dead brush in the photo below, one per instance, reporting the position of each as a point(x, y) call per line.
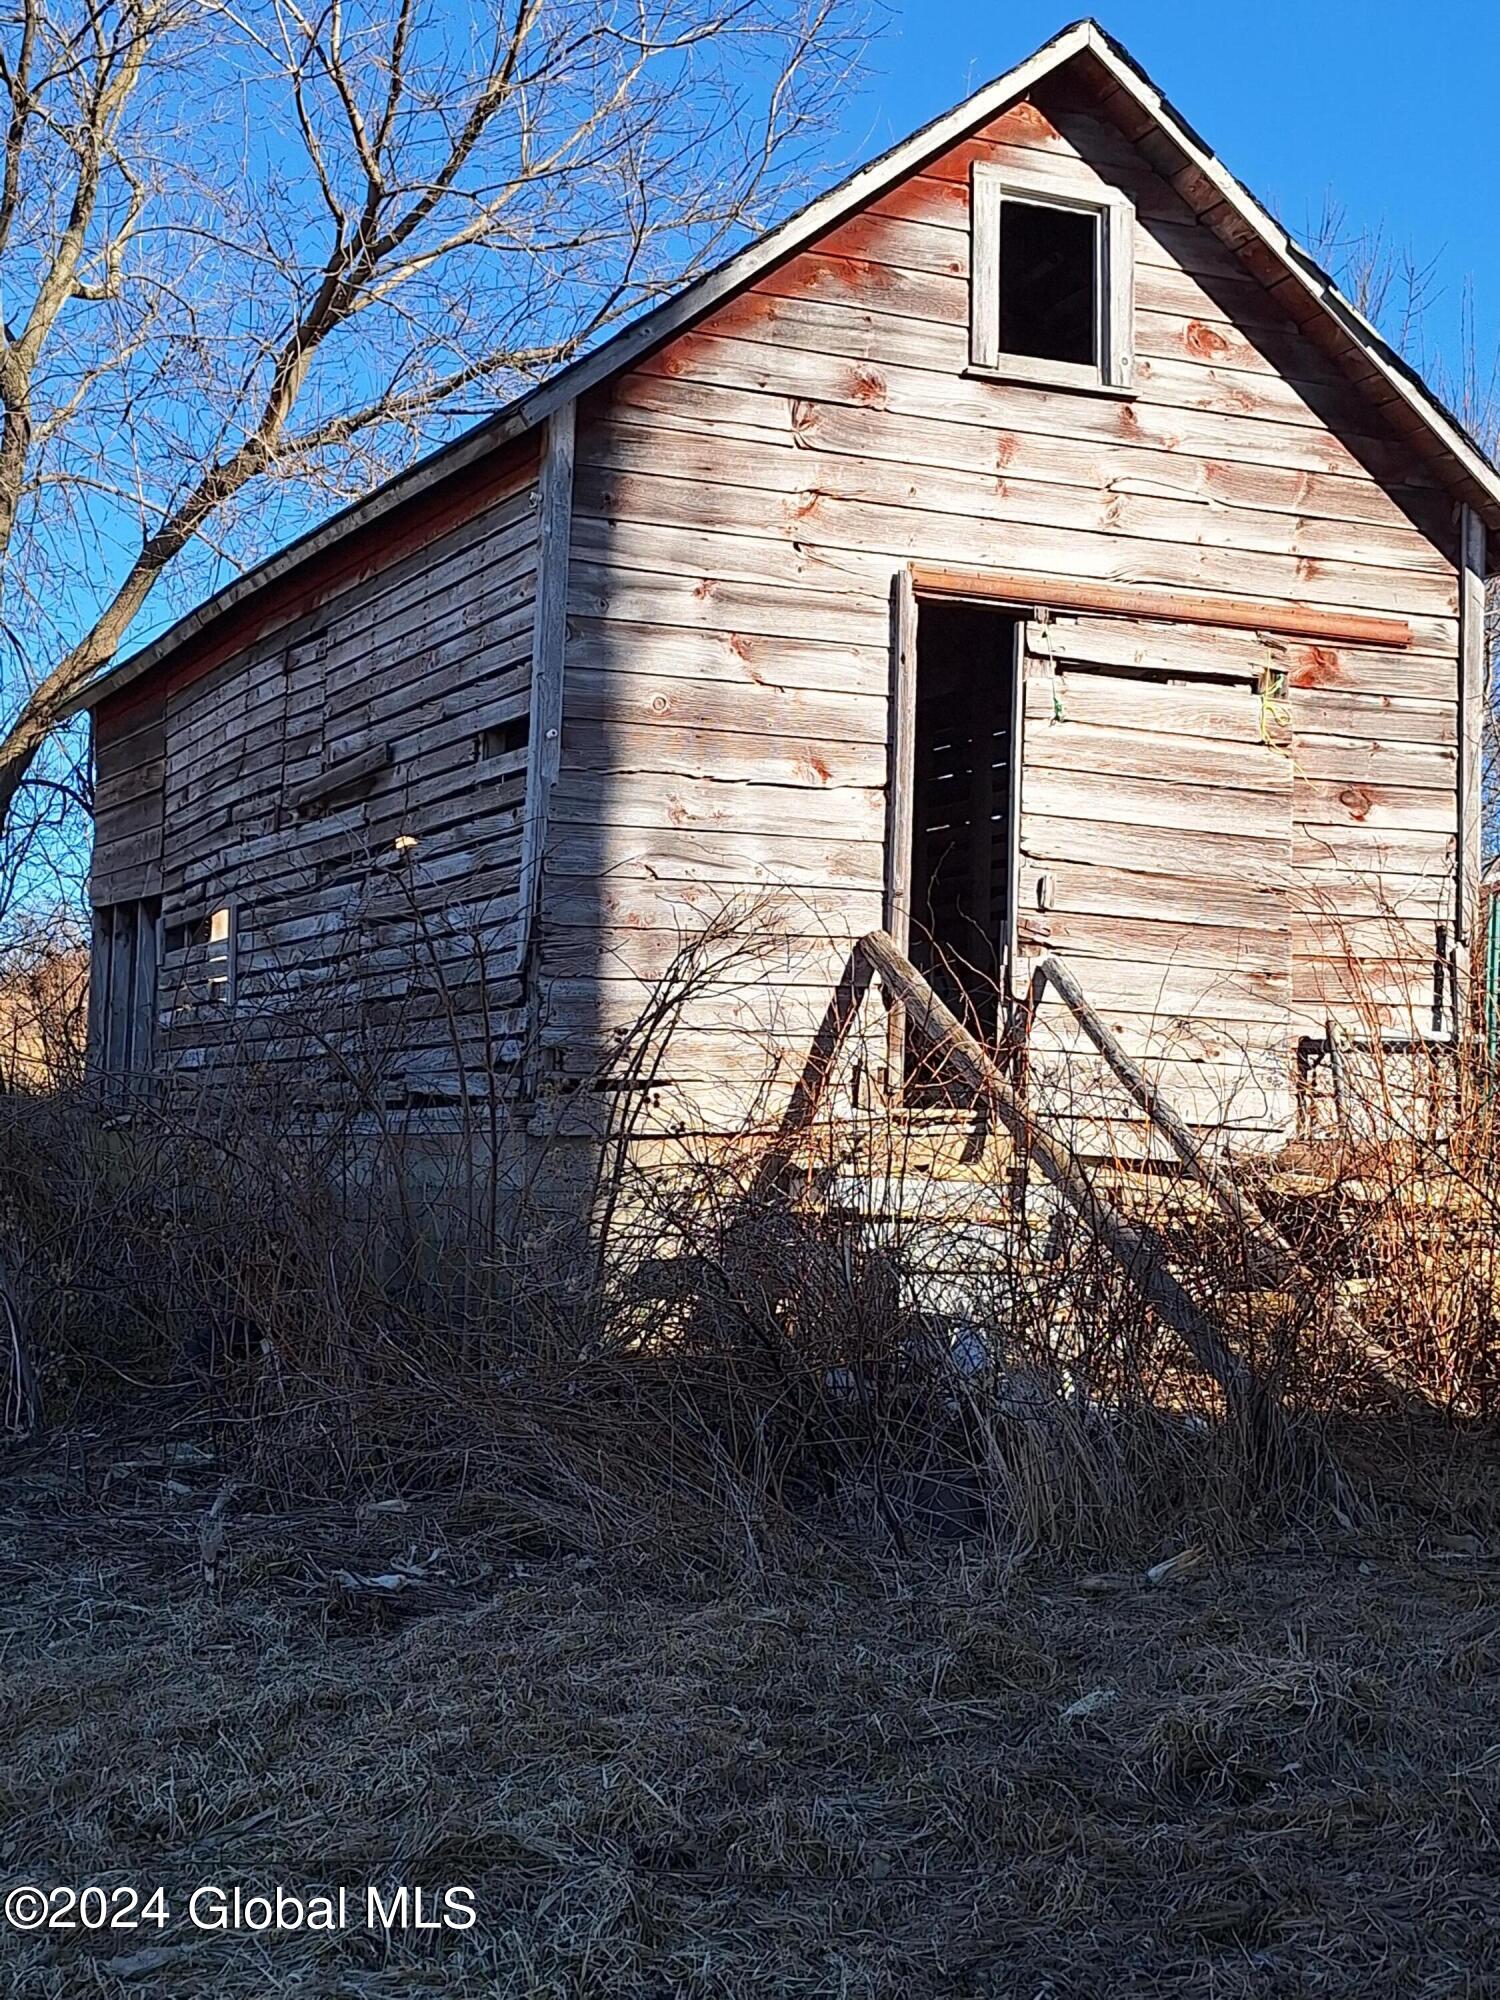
point(1395, 1193)
point(44, 976)
point(731, 1343)
point(942, 1369)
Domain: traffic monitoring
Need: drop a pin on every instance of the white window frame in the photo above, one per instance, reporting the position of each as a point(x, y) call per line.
point(1114, 287)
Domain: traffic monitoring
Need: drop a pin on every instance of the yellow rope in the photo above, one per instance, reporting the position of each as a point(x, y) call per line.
point(1276, 713)
point(1046, 653)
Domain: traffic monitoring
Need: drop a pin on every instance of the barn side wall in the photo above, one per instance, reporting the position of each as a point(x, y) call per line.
point(744, 498)
point(349, 783)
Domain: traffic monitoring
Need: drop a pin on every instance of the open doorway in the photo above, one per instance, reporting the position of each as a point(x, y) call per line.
point(963, 820)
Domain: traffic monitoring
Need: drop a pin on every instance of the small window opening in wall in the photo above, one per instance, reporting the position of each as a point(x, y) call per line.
point(210, 938)
point(506, 739)
point(1049, 282)
point(220, 963)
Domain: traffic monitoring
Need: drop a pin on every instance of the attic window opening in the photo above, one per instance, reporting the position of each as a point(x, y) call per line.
point(1051, 285)
point(1049, 282)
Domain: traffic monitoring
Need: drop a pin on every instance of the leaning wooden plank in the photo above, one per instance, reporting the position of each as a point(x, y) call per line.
point(1146, 1093)
point(339, 778)
point(1138, 1253)
point(1230, 1099)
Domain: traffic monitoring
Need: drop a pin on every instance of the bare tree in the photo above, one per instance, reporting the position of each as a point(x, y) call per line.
point(254, 256)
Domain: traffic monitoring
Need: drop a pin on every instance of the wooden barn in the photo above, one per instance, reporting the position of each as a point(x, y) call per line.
point(1023, 552)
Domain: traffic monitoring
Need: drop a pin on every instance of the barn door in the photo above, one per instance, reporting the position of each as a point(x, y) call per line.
point(1155, 857)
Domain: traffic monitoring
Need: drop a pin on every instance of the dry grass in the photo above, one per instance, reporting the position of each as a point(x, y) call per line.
point(835, 1775)
point(689, 1601)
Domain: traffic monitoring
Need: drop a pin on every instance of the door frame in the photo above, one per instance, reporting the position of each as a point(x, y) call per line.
point(909, 589)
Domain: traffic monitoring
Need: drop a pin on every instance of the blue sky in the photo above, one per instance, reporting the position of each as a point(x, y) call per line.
point(1387, 106)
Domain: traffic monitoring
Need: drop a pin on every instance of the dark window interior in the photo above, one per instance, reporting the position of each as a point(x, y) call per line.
point(1049, 304)
point(189, 936)
point(505, 739)
point(961, 812)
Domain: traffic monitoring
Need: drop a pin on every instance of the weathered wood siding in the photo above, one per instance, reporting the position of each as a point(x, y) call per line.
point(743, 499)
point(129, 761)
point(280, 783)
point(1156, 836)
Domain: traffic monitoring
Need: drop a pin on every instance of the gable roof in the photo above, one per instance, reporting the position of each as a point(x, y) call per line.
point(1166, 140)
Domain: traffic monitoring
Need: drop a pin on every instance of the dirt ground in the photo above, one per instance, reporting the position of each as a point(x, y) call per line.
point(1269, 1776)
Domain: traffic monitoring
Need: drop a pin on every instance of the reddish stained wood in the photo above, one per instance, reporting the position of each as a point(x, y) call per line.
point(1062, 594)
point(868, 235)
point(1319, 669)
point(1022, 124)
point(921, 199)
